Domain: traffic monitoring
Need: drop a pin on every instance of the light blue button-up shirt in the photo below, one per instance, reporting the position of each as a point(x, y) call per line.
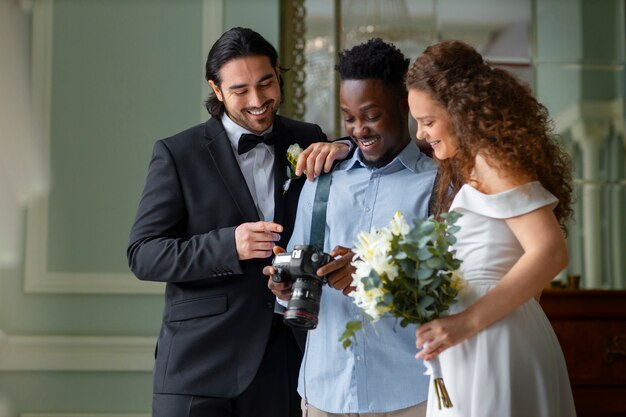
point(379, 373)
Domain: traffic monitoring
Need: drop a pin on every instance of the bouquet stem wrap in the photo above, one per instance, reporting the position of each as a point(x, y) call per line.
point(433, 368)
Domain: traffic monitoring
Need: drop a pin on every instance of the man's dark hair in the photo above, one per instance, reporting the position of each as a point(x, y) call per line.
point(238, 42)
point(374, 59)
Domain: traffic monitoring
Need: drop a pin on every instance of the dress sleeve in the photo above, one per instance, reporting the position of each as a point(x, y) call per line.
point(511, 203)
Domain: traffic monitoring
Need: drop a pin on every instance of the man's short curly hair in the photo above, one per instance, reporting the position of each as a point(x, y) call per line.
point(374, 59)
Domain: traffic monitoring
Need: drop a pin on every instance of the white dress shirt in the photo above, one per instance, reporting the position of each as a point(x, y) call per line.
point(257, 168)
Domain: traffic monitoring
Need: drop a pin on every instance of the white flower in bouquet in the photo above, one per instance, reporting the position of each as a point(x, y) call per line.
point(368, 302)
point(399, 225)
point(369, 245)
point(408, 273)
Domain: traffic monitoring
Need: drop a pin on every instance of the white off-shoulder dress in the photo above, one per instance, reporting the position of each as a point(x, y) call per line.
point(515, 367)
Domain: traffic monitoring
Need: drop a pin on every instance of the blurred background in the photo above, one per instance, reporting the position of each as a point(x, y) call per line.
point(87, 86)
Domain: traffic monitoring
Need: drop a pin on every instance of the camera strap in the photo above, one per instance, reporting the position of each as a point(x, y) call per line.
point(318, 217)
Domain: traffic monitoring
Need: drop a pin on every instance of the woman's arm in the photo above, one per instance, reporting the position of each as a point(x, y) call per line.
point(545, 255)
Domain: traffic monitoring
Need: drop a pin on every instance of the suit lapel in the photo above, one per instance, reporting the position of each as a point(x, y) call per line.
point(221, 154)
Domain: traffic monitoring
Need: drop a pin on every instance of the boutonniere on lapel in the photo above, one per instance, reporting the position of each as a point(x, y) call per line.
point(292, 157)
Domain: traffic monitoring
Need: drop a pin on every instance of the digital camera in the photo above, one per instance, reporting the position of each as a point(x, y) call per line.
point(299, 266)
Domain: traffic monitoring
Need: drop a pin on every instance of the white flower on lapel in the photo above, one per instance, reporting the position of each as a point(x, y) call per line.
point(292, 156)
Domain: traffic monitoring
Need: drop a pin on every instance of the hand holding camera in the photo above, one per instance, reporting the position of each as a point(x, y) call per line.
point(300, 275)
point(300, 268)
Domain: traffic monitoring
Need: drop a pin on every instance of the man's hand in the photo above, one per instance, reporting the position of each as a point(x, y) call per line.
point(340, 270)
point(255, 240)
point(318, 156)
point(282, 290)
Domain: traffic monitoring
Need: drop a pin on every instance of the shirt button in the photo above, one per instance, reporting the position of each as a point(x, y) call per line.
point(358, 358)
point(367, 209)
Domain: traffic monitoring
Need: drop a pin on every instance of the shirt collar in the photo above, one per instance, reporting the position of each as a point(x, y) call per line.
point(234, 131)
point(406, 157)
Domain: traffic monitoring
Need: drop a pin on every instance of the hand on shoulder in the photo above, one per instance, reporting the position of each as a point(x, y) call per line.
point(319, 157)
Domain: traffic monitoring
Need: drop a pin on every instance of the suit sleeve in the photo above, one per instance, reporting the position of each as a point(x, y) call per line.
point(317, 136)
point(156, 250)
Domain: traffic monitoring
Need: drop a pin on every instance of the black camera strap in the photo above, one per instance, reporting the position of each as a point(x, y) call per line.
point(318, 217)
point(318, 230)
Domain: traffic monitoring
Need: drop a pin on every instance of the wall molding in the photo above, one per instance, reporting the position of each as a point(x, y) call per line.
point(37, 278)
point(609, 110)
point(76, 353)
point(81, 415)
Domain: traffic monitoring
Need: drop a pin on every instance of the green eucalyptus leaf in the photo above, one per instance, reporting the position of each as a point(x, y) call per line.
point(437, 281)
point(452, 217)
point(426, 302)
point(434, 263)
point(354, 325)
point(424, 272)
point(424, 253)
point(388, 298)
point(427, 227)
point(424, 240)
point(400, 255)
point(453, 229)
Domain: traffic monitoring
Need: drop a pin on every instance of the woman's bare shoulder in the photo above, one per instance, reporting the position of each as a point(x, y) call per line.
point(488, 178)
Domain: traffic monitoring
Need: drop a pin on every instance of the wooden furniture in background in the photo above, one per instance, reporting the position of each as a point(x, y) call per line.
point(591, 328)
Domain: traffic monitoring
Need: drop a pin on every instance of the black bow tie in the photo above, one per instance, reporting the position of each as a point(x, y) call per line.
point(248, 141)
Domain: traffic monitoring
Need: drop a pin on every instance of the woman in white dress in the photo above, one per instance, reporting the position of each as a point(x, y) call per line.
point(501, 167)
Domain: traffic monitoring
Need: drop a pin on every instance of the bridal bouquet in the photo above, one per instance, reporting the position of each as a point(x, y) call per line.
point(408, 273)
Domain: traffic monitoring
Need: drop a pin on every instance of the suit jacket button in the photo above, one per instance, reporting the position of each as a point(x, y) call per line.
point(269, 305)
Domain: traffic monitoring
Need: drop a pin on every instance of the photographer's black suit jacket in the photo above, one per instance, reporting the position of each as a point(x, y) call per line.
point(218, 310)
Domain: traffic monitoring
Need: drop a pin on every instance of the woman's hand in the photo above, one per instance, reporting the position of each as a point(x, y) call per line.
point(440, 334)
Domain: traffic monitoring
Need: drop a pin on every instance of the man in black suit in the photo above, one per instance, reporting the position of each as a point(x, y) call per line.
point(212, 208)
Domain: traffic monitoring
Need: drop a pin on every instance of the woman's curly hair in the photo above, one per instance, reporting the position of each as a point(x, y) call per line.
point(493, 114)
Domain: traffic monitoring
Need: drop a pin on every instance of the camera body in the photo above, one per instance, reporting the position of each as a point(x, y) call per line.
point(299, 266)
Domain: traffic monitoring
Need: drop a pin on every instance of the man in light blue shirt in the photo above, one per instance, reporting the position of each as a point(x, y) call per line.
point(379, 374)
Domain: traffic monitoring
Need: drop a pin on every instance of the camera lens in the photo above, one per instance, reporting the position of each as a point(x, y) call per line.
point(304, 305)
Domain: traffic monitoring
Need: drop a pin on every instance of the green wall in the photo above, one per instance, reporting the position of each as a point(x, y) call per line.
point(122, 75)
point(259, 15)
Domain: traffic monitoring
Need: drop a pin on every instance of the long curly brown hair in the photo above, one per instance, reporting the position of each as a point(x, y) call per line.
point(495, 114)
